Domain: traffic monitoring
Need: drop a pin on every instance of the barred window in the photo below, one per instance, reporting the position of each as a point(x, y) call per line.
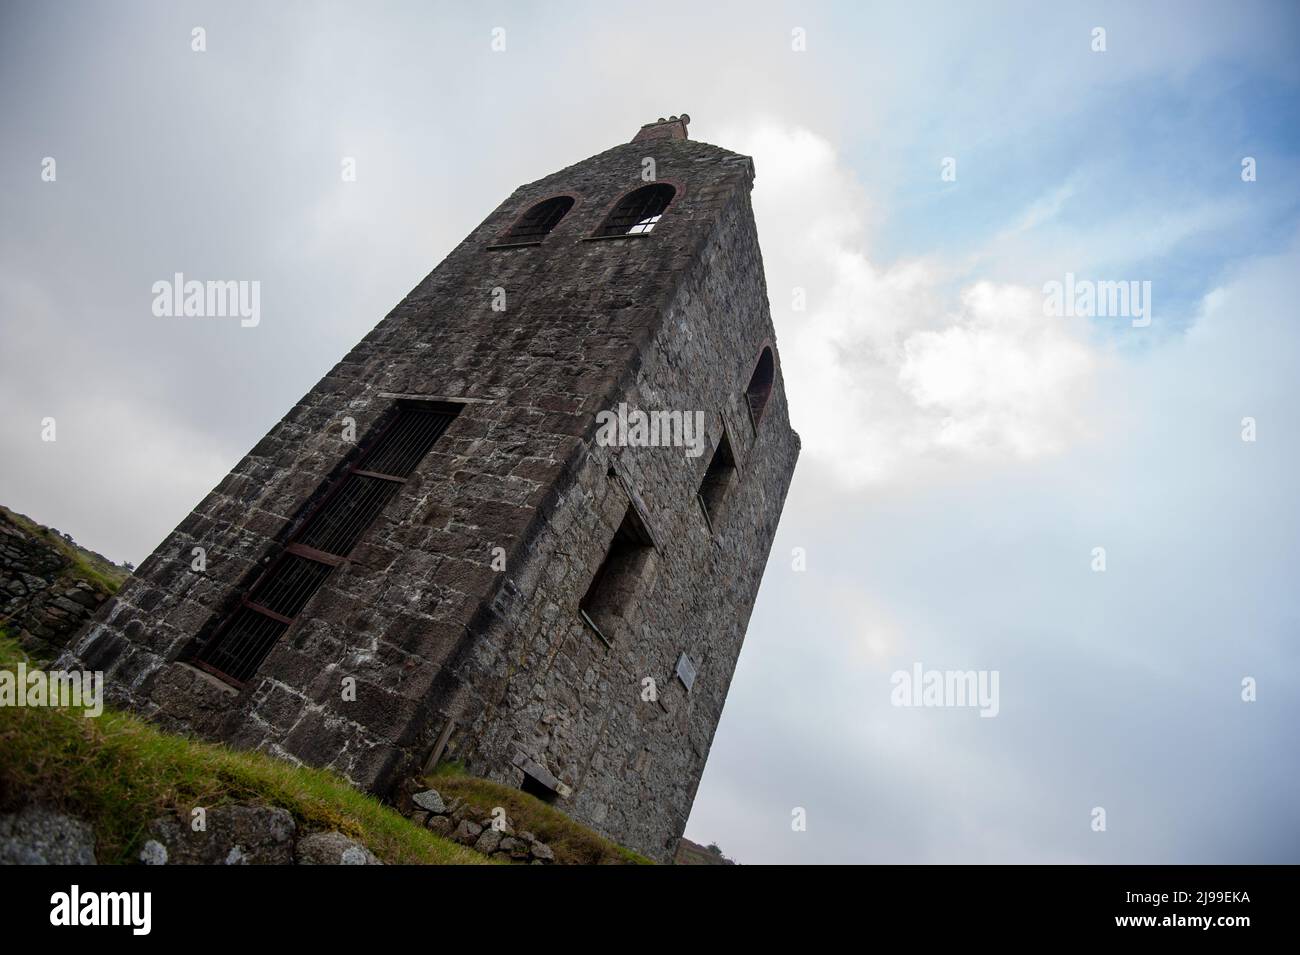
point(535, 224)
point(639, 211)
point(329, 533)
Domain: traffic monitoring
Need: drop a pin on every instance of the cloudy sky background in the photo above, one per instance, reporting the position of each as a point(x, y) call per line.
point(963, 454)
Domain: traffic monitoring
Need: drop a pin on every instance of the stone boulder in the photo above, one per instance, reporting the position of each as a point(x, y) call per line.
point(467, 832)
point(235, 835)
point(430, 801)
point(333, 848)
point(40, 836)
point(488, 842)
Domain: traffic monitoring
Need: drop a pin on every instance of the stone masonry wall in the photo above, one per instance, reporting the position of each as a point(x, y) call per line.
point(540, 690)
point(586, 324)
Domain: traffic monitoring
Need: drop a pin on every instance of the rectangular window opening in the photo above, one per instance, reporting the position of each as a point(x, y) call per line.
point(321, 543)
point(614, 587)
point(717, 482)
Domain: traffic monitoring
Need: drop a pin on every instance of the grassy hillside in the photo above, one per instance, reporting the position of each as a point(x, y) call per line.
point(571, 842)
point(118, 773)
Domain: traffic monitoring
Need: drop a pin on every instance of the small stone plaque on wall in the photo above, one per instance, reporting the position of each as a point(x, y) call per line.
point(686, 671)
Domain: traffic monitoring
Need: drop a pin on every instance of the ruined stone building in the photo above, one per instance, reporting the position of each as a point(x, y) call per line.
point(435, 556)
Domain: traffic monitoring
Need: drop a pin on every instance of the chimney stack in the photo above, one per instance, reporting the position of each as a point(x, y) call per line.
point(674, 127)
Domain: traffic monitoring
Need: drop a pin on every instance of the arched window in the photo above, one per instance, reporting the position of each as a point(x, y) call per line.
point(537, 222)
point(639, 211)
point(760, 386)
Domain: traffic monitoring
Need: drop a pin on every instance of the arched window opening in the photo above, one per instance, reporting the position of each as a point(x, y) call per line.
point(760, 386)
point(639, 211)
point(537, 222)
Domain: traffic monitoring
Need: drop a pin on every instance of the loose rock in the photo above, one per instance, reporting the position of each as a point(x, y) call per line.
point(488, 842)
point(333, 848)
point(467, 832)
point(153, 853)
point(431, 801)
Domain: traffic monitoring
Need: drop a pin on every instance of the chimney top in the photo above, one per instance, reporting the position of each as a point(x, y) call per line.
point(674, 127)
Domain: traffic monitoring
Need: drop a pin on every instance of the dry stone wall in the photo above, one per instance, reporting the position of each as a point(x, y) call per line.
point(43, 601)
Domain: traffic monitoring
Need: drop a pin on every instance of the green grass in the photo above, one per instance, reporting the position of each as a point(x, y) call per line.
point(572, 843)
point(118, 773)
point(84, 564)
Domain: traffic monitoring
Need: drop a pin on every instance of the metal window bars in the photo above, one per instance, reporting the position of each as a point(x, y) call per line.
point(324, 539)
point(638, 212)
point(537, 222)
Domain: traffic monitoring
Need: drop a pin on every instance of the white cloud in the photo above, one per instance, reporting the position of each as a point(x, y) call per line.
point(1001, 377)
point(884, 374)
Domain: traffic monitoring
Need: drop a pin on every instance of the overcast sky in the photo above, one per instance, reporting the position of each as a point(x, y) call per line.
point(964, 453)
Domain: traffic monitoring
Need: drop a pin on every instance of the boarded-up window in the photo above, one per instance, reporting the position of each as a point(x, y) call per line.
point(329, 533)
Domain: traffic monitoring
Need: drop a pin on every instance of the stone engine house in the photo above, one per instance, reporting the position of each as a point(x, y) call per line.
point(446, 551)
